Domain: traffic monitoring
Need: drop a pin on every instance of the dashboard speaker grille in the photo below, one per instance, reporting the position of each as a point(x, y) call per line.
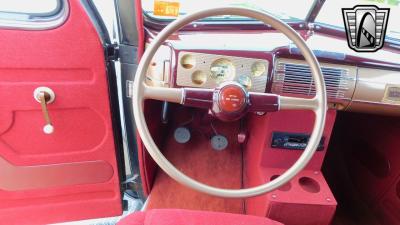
point(294, 78)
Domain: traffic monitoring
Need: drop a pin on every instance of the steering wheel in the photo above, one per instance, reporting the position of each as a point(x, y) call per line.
point(229, 102)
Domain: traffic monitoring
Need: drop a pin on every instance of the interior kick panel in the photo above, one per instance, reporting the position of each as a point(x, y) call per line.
point(71, 174)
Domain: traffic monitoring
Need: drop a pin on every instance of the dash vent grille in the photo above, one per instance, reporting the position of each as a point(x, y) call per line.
point(293, 78)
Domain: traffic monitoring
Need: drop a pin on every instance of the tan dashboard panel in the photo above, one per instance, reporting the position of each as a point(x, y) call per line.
point(208, 70)
point(158, 73)
point(377, 91)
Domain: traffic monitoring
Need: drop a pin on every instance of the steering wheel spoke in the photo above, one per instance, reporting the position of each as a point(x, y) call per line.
point(198, 97)
point(297, 103)
point(174, 95)
point(192, 97)
point(263, 102)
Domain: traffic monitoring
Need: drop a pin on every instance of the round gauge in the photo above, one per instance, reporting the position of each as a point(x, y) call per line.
point(188, 61)
point(245, 81)
point(222, 70)
point(257, 69)
point(199, 77)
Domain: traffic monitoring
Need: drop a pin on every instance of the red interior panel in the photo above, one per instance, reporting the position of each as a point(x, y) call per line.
point(389, 206)
point(261, 162)
point(370, 146)
point(148, 167)
point(76, 164)
point(292, 122)
point(79, 132)
point(187, 217)
point(306, 199)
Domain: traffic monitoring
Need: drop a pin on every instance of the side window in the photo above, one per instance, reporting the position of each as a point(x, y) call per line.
point(37, 15)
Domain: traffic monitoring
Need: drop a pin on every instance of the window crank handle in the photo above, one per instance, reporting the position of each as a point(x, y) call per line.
point(44, 97)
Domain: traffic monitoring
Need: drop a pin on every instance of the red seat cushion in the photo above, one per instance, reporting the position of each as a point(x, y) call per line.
point(188, 217)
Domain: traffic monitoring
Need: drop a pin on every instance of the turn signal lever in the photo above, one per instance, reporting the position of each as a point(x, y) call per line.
point(45, 96)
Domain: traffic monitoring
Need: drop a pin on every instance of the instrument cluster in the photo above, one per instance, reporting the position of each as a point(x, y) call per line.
point(209, 70)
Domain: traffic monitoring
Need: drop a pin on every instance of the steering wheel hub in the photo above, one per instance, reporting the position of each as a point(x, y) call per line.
point(230, 101)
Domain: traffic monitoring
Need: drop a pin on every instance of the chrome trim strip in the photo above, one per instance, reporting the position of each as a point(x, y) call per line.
point(183, 98)
point(39, 23)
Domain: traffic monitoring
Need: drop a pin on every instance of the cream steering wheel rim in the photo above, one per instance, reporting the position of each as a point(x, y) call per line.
point(141, 91)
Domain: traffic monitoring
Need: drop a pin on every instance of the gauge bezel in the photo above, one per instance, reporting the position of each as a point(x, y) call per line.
point(199, 74)
point(188, 57)
point(254, 65)
point(228, 76)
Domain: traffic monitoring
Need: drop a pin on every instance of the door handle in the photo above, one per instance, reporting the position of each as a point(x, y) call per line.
point(45, 96)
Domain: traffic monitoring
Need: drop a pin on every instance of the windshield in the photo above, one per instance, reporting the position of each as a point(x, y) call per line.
point(288, 10)
point(297, 11)
point(331, 13)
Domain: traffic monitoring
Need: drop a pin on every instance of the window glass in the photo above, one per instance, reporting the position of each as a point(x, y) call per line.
point(331, 13)
point(297, 11)
point(29, 6)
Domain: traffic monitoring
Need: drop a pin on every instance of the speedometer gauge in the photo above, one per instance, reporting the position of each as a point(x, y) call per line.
point(222, 70)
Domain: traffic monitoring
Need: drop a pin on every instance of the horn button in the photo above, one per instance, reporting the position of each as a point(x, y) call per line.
point(229, 101)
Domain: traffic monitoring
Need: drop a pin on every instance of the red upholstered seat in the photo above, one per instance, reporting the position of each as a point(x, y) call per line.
point(188, 217)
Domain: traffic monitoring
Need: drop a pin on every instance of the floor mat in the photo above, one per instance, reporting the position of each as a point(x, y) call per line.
point(198, 160)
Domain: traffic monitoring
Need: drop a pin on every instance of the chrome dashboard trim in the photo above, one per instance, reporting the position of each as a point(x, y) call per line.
point(36, 22)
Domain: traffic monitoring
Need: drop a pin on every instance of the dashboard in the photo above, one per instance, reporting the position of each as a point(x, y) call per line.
point(354, 82)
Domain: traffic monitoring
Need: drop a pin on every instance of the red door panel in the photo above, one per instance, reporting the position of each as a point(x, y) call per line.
point(72, 173)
